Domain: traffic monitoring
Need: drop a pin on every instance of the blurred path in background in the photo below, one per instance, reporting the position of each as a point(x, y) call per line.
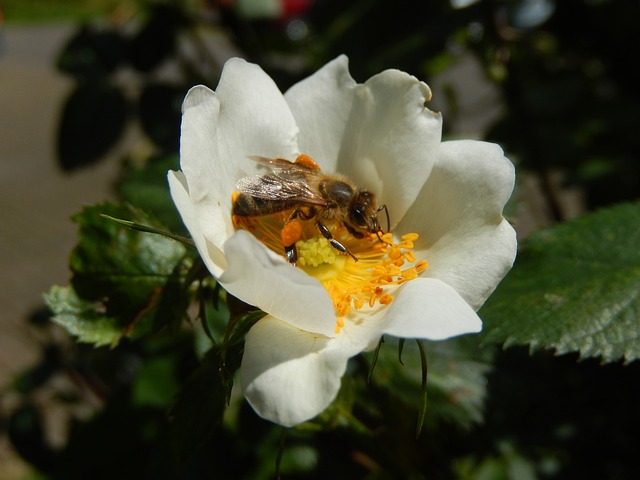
point(36, 198)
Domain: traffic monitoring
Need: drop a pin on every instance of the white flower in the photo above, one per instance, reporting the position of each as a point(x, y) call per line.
point(381, 135)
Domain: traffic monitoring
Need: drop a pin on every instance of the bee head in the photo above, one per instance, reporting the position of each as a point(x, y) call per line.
point(363, 214)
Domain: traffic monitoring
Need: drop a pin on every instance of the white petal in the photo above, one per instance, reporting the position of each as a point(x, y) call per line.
point(430, 309)
point(255, 118)
point(393, 137)
point(261, 278)
point(321, 105)
point(212, 256)
point(464, 238)
point(379, 133)
point(204, 177)
point(289, 375)
point(247, 115)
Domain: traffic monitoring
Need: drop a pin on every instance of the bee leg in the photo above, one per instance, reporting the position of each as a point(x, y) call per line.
point(334, 243)
point(299, 213)
point(292, 254)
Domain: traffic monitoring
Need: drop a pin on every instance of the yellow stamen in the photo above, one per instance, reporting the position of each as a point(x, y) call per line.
point(382, 263)
point(395, 252)
point(409, 274)
point(410, 237)
point(410, 256)
point(386, 299)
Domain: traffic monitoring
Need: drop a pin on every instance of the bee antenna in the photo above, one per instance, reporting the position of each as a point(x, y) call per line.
point(386, 211)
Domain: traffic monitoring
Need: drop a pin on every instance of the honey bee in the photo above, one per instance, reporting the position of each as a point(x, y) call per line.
point(302, 187)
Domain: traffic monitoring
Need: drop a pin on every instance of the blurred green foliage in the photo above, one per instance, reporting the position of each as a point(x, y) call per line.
point(160, 403)
point(59, 10)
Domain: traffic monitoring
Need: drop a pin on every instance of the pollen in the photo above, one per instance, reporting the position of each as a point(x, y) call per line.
point(291, 232)
point(367, 284)
point(307, 161)
point(315, 252)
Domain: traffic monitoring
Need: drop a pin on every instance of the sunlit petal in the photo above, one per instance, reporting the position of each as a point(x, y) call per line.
point(430, 309)
point(467, 242)
point(379, 133)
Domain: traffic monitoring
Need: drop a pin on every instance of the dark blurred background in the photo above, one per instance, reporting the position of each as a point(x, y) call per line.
point(90, 95)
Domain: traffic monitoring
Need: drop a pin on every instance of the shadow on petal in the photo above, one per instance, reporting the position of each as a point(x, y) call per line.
point(264, 279)
point(289, 375)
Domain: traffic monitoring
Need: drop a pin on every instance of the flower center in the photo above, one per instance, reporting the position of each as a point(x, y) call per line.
point(353, 285)
point(319, 259)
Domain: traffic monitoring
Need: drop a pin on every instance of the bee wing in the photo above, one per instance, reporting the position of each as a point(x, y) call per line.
point(278, 164)
point(287, 181)
point(276, 187)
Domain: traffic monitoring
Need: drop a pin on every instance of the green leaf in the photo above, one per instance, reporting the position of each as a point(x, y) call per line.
point(125, 283)
point(156, 40)
point(93, 118)
point(86, 320)
point(574, 288)
point(92, 53)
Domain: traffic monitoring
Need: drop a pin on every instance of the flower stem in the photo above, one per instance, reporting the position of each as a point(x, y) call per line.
point(423, 407)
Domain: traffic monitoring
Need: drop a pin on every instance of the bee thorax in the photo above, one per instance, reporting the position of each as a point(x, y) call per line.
point(338, 192)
